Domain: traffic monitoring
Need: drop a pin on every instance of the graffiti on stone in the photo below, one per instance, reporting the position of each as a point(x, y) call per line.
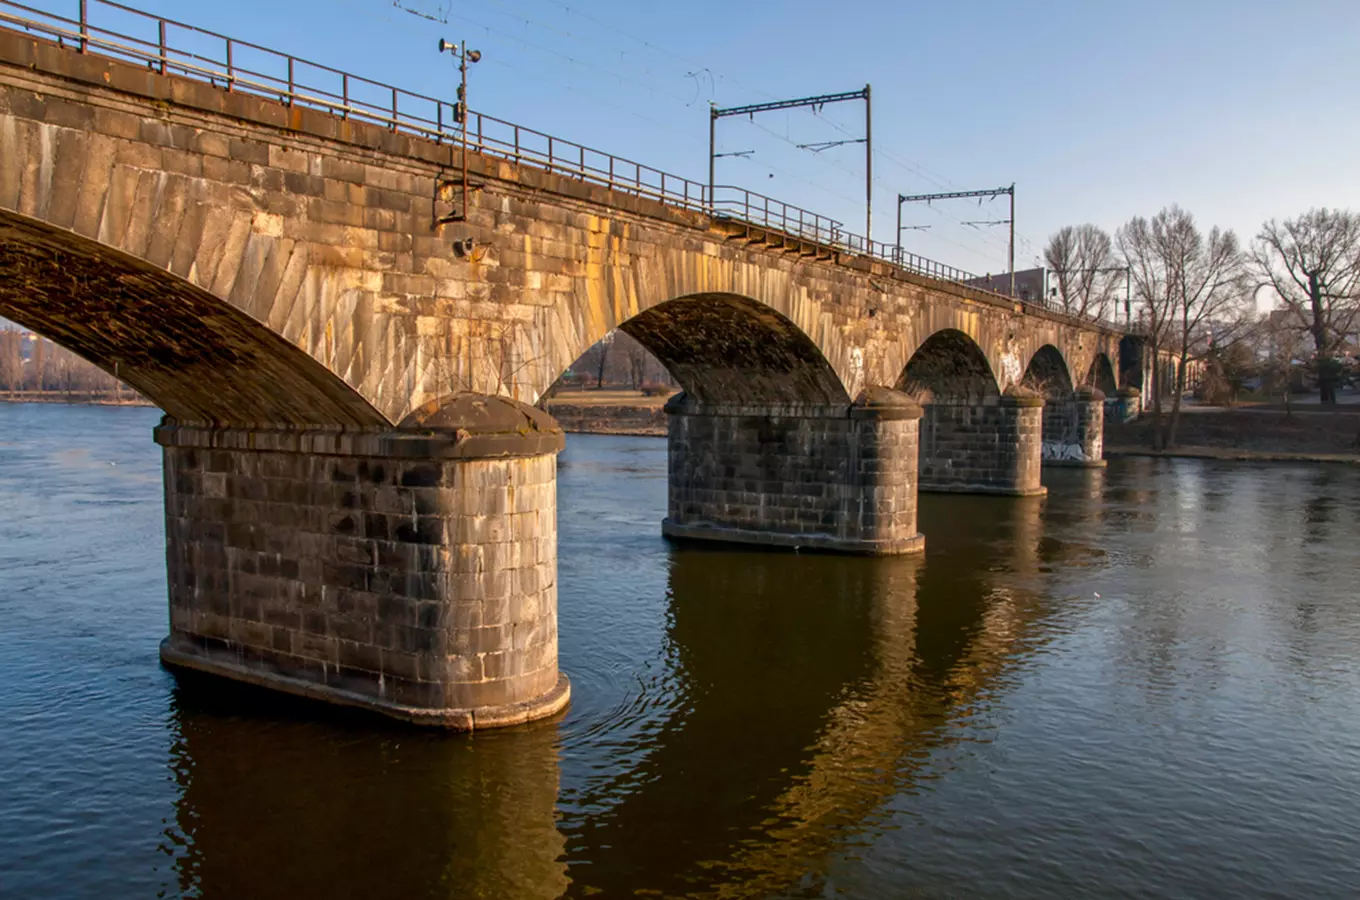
point(1063, 451)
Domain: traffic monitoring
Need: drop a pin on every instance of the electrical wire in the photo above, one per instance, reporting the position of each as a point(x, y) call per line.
point(630, 80)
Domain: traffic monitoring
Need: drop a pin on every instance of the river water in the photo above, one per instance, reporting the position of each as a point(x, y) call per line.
point(1147, 683)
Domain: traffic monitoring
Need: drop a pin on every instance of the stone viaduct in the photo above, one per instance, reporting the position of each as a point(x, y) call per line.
point(360, 495)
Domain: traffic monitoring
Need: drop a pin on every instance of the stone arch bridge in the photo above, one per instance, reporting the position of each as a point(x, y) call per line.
point(360, 496)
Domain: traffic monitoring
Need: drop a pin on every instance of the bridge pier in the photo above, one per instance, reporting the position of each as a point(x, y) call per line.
point(994, 447)
point(1074, 430)
point(1128, 404)
point(832, 478)
point(413, 573)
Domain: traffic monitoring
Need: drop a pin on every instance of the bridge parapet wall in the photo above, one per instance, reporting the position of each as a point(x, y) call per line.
point(834, 478)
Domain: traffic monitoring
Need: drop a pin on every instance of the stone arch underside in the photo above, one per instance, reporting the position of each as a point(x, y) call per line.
point(1047, 374)
point(189, 352)
point(1101, 375)
point(728, 349)
point(950, 368)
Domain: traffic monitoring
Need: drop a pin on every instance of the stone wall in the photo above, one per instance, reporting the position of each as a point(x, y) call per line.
point(608, 418)
point(992, 448)
point(378, 570)
point(835, 478)
point(1073, 430)
point(1126, 406)
point(263, 244)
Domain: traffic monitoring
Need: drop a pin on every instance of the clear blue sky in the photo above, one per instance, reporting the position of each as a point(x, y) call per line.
point(1098, 111)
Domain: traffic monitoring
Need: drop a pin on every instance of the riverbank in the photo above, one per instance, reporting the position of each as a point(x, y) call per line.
point(609, 412)
point(81, 398)
point(1259, 434)
point(1254, 434)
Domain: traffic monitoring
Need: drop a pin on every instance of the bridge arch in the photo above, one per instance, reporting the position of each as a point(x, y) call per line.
point(194, 355)
point(725, 348)
point(949, 367)
point(1101, 375)
point(1048, 374)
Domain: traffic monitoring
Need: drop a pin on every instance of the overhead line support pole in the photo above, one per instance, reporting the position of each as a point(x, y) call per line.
point(962, 195)
point(715, 113)
point(712, 135)
point(868, 171)
point(1010, 253)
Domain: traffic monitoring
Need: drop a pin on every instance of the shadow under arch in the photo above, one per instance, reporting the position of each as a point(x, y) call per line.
point(730, 349)
point(189, 352)
point(951, 368)
point(1101, 375)
point(1047, 373)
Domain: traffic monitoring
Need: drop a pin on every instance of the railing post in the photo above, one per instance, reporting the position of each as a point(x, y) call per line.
point(292, 89)
point(611, 172)
point(344, 92)
point(231, 77)
point(161, 22)
point(516, 143)
point(394, 109)
point(583, 162)
point(439, 121)
point(550, 152)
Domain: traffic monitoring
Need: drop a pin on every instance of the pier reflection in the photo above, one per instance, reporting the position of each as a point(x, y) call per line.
point(814, 689)
point(274, 803)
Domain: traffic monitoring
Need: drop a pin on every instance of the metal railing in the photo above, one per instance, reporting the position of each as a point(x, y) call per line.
point(170, 47)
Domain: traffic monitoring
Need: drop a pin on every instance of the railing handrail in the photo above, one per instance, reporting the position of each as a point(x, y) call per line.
point(493, 136)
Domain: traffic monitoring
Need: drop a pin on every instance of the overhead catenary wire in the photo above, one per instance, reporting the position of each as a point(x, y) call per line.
point(630, 80)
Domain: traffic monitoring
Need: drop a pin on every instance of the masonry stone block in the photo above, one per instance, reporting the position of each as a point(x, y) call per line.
point(989, 448)
point(819, 478)
point(1074, 428)
point(446, 617)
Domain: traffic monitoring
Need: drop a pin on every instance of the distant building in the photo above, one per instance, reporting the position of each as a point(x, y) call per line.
point(1029, 284)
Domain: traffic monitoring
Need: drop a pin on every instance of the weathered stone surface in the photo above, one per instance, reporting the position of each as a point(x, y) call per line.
point(991, 448)
point(1074, 429)
point(835, 478)
point(278, 280)
point(1128, 405)
point(417, 582)
point(323, 231)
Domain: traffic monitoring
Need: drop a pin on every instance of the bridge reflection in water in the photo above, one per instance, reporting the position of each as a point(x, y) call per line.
point(806, 692)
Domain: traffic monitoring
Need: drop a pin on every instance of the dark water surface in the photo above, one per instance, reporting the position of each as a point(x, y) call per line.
point(1146, 684)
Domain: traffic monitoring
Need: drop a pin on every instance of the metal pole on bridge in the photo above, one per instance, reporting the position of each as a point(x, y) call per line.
point(1010, 252)
point(712, 148)
point(868, 172)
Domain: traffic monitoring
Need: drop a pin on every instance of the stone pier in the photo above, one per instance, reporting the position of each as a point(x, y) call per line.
point(1128, 404)
point(994, 447)
point(1074, 430)
point(410, 572)
point(832, 478)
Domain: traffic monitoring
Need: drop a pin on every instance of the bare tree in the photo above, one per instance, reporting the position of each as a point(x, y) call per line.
point(604, 345)
point(11, 360)
point(1187, 282)
point(1313, 264)
point(1081, 258)
point(1281, 342)
point(637, 363)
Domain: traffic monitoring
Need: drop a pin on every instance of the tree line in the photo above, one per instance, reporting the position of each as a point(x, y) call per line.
point(33, 364)
point(1195, 294)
